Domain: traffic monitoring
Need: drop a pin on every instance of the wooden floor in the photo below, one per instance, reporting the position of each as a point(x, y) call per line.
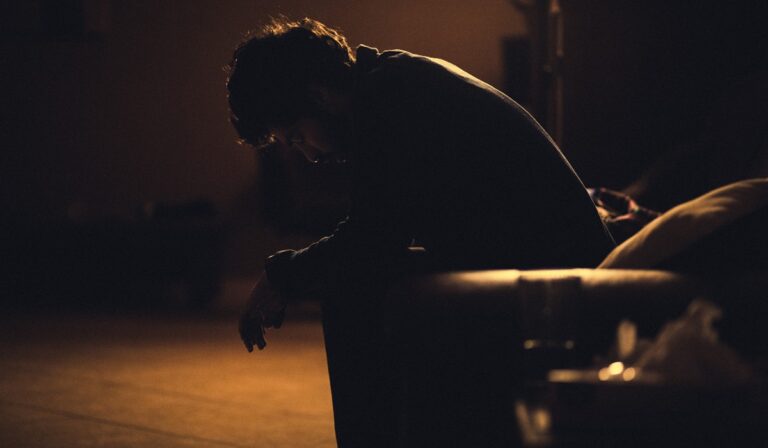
point(86, 381)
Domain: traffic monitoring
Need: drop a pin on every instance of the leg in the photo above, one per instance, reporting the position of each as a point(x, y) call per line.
point(360, 369)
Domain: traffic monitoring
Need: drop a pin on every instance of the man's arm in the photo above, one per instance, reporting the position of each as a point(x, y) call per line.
point(364, 244)
point(266, 308)
point(370, 244)
point(373, 240)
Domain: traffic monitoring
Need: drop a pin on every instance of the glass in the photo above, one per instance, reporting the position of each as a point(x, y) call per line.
point(548, 315)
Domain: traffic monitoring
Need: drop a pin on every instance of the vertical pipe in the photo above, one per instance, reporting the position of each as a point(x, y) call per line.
point(555, 61)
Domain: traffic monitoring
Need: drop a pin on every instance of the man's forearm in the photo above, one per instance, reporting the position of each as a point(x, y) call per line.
point(350, 253)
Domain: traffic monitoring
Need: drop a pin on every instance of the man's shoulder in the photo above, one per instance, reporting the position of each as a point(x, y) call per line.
point(371, 61)
point(420, 73)
point(389, 76)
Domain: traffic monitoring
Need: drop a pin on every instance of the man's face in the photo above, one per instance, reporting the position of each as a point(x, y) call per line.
point(315, 138)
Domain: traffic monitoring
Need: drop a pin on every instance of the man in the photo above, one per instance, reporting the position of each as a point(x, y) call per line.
point(440, 159)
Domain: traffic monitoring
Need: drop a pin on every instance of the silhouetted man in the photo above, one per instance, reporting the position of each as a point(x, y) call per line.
point(440, 160)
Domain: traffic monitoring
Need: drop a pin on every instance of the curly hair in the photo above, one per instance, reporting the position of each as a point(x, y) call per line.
point(273, 69)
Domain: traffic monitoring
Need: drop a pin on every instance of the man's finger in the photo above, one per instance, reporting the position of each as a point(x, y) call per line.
point(247, 330)
point(247, 339)
point(279, 318)
point(260, 341)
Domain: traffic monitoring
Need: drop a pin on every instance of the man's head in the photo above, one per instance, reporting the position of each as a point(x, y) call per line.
point(284, 85)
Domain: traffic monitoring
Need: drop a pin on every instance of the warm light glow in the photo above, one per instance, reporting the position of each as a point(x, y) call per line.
point(626, 338)
point(486, 277)
point(615, 368)
point(529, 344)
point(629, 374)
point(541, 420)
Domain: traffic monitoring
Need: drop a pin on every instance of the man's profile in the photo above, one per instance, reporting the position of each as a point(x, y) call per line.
point(440, 160)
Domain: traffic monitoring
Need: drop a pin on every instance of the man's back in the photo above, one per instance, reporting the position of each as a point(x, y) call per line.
point(474, 178)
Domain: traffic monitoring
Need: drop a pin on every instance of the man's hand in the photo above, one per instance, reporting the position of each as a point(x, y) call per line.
point(266, 308)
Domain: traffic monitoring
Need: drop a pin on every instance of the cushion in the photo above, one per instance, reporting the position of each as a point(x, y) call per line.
point(694, 227)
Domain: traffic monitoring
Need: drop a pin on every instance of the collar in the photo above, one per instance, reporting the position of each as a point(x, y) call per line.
point(367, 58)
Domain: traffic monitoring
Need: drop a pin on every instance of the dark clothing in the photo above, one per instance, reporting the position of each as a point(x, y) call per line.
point(363, 371)
point(445, 160)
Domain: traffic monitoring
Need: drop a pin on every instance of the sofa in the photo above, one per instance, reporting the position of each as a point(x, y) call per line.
point(467, 341)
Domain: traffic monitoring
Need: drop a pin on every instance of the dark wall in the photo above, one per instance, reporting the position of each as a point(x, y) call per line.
point(112, 110)
point(642, 77)
point(129, 108)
